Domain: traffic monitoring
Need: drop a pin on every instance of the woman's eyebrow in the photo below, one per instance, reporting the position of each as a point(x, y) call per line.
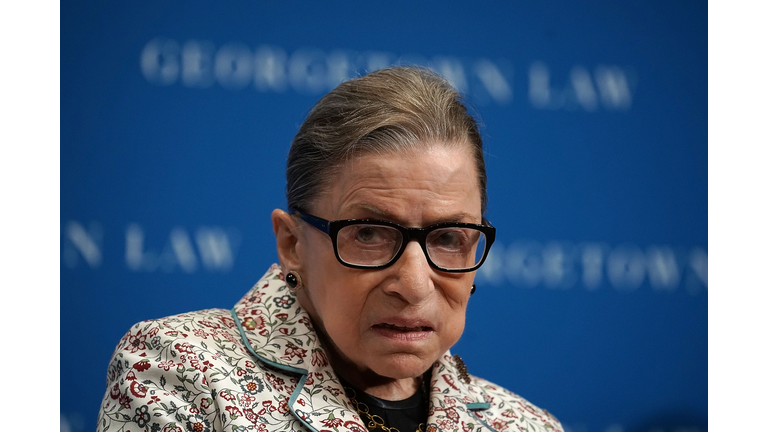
point(379, 213)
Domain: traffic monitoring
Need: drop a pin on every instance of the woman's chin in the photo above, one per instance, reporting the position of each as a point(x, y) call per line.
point(401, 366)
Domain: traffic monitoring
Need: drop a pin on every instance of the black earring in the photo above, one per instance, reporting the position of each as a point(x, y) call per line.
point(293, 280)
point(473, 289)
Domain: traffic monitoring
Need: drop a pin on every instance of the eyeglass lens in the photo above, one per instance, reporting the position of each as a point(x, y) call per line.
point(373, 245)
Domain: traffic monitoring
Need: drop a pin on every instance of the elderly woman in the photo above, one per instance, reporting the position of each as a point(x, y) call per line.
point(352, 331)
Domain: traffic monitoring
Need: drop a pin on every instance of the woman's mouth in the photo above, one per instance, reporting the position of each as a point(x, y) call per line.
point(404, 328)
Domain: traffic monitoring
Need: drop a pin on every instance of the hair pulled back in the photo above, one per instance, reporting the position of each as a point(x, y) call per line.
point(387, 111)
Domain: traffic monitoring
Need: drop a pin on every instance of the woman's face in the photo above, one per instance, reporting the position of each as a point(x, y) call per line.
point(393, 322)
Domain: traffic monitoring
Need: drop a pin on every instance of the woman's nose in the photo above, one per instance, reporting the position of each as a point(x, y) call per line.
point(413, 278)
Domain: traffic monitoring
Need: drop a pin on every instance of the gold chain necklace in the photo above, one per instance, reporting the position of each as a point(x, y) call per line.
point(374, 420)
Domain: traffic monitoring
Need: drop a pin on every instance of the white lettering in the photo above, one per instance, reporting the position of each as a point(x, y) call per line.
point(697, 277)
point(663, 272)
point(269, 68)
point(339, 68)
point(592, 266)
point(234, 66)
point(160, 61)
point(197, 64)
point(491, 269)
point(558, 271)
point(614, 88)
point(453, 71)
point(88, 243)
point(538, 85)
point(583, 89)
point(626, 268)
point(524, 264)
point(307, 71)
point(310, 71)
point(182, 249)
point(215, 248)
point(135, 258)
point(377, 60)
point(493, 81)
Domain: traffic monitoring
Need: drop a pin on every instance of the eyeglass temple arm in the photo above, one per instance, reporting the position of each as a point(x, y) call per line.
point(316, 222)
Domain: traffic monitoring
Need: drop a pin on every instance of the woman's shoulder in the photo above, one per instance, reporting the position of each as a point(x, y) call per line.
point(506, 408)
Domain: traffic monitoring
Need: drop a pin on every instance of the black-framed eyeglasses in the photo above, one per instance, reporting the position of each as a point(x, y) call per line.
point(454, 247)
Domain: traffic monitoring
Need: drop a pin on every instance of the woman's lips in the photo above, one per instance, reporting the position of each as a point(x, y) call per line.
point(404, 330)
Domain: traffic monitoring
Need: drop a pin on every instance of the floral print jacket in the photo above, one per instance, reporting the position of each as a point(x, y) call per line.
point(260, 367)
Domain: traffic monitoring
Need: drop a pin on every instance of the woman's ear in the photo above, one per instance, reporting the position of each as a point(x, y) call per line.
point(287, 235)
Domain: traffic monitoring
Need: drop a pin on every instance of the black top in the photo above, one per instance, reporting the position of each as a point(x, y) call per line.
point(405, 415)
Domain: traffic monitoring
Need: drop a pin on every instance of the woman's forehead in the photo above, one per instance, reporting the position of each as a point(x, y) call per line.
point(431, 182)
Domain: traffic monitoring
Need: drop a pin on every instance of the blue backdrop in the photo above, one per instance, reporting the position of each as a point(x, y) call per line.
point(176, 118)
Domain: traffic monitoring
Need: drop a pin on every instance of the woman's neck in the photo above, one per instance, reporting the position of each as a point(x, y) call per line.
point(382, 387)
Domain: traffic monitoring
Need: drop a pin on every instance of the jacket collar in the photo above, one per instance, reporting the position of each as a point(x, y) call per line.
point(279, 332)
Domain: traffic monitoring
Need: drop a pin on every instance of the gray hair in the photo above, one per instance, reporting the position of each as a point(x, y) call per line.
point(389, 110)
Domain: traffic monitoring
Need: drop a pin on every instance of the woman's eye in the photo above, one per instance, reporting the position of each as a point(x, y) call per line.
point(366, 234)
point(449, 239)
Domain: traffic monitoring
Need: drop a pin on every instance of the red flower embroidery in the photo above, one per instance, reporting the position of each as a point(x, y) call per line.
point(293, 351)
point(125, 401)
point(247, 400)
point(114, 392)
point(252, 323)
point(201, 333)
point(450, 381)
point(452, 414)
point(229, 322)
point(445, 424)
point(355, 427)
point(202, 367)
point(209, 324)
point(277, 383)
point(234, 412)
point(138, 389)
point(282, 408)
point(185, 347)
point(227, 396)
point(136, 342)
point(142, 365)
point(251, 416)
point(332, 422)
point(318, 358)
point(166, 365)
point(499, 425)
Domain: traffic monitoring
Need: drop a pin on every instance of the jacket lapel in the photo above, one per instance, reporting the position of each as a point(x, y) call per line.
point(454, 403)
point(279, 332)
